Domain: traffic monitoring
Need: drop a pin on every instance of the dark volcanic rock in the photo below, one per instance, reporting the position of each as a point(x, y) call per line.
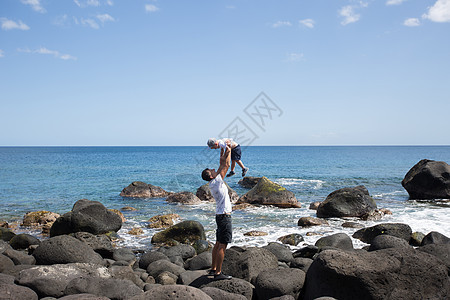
point(19, 257)
point(169, 292)
point(279, 282)
point(441, 251)
point(218, 294)
point(159, 266)
point(23, 241)
point(428, 179)
point(204, 193)
point(107, 287)
point(248, 263)
point(6, 234)
point(282, 252)
point(183, 198)
point(149, 257)
point(185, 251)
point(337, 240)
point(52, 280)
point(185, 232)
point(267, 192)
point(199, 262)
point(139, 189)
point(99, 243)
point(435, 238)
point(5, 263)
point(311, 221)
point(399, 230)
point(291, 239)
point(65, 249)
point(16, 292)
point(347, 202)
point(234, 286)
point(87, 216)
point(249, 182)
point(400, 273)
point(385, 241)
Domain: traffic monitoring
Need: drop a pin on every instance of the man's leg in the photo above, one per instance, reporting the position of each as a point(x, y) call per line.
point(214, 256)
point(219, 256)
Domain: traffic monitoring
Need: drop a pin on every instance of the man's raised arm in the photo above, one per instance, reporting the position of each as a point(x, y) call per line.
point(225, 159)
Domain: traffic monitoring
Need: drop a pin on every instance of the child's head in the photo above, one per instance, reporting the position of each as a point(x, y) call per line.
point(212, 143)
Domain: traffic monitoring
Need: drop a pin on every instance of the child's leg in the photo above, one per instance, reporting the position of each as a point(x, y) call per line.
point(233, 165)
point(239, 163)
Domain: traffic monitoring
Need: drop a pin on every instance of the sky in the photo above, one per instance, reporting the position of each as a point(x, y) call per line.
point(266, 72)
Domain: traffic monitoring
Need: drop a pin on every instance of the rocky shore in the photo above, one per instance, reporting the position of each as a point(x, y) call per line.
point(78, 259)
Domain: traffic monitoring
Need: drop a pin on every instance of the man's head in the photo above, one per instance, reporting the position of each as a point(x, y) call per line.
point(212, 143)
point(209, 174)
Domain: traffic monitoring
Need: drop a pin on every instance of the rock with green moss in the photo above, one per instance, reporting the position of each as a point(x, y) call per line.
point(267, 192)
point(186, 232)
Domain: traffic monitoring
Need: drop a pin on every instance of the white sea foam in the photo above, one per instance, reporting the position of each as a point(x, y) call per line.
point(307, 183)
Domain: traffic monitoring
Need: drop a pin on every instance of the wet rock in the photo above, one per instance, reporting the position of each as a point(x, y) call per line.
point(128, 208)
point(201, 246)
point(347, 202)
point(311, 221)
point(247, 263)
point(99, 243)
point(242, 206)
point(352, 225)
point(185, 232)
point(385, 241)
point(314, 205)
point(204, 193)
point(6, 234)
point(12, 291)
point(65, 249)
point(136, 231)
point(52, 280)
point(337, 240)
point(435, 237)
point(267, 192)
point(139, 189)
point(400, 273)
point(256, 233)
point(87, 216)
point(282, 252)
point(416, 238)
point(291, 239)
point(218, 294)
point(163, 221)
point(278, 282)
point(169, 292)
point(105, 287)
point(43, 219)
point(399, 230)
point(119, 213)
point(183, 198)
point(249, 182)
point(23, 241)
point(428, 179)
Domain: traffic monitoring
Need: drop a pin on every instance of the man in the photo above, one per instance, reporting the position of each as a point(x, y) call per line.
point(219, 191)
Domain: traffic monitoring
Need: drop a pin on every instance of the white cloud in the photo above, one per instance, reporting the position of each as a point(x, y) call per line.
point(230, 7)
point(439, 12)
point(281, 24)
point(10, 24)
point(151, 8)
point(2, 53)
point(349, 15)
point(45, 51)
point(411, 22)
point(294, 57)
point(35, 5)
point(394, 2)
point(89, 22)
point(109, 2)
point(105, 18)
point(87, 3)
point(307, 22)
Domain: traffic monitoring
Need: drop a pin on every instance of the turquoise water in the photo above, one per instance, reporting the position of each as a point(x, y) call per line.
point(53, 178)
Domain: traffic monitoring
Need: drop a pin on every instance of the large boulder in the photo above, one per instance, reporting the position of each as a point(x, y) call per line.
point(337, 240)
point(149, 257)
point(183, 198)
point(185, 232)
point(204, 193)
point(19, 257)
point(347, 202)
point(13, 292)
point(107, 287)
point(23, 241)
point(400, 273)
point(441, 251)
point(169, 292)
point(65, 249)
point(249, 182)
point(6, 234)
point(234, 286)
point(87, 216)
point(5, 263)
point(267, 192)
point(99, 243)
point(428, 179)
point(279, 282)
point(399, 230)
point(248, 263)
point(199, 262)
point(51, 281)
point(218, 294)
point(162, 265)
point(139, 189)
point(385, 241)
point(182, 250)
point(435, 237)
point(282, 252)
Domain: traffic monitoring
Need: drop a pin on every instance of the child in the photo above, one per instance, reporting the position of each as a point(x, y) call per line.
point(235, 153)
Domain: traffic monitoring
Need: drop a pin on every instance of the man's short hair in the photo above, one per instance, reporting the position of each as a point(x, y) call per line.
point(206, 174)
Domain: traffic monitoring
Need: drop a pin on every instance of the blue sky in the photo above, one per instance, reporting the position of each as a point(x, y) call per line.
point(143, 72)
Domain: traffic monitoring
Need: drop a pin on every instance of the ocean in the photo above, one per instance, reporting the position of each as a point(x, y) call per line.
point(54, 178)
